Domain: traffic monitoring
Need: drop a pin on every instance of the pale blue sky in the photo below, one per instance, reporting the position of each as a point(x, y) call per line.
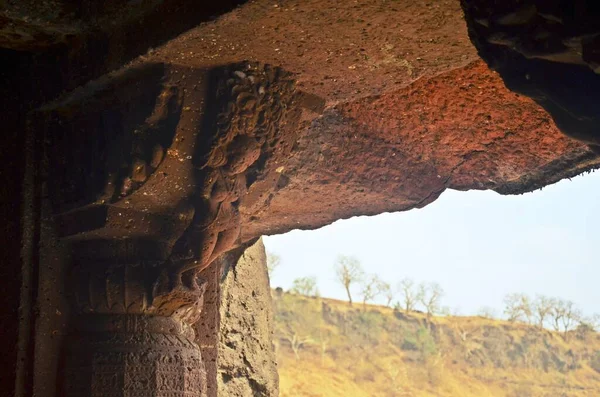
point(479, 246)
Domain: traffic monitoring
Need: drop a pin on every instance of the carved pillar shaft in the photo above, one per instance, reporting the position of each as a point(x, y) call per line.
point(133, 355)
point(132, 333)
point(131, 336)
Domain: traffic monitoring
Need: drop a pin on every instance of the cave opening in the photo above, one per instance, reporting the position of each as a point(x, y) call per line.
point(470, 295)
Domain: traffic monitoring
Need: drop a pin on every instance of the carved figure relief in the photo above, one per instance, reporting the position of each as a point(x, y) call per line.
point(154, 203)
point(252, 103)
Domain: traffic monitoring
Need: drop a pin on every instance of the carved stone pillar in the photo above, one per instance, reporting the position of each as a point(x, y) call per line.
point(133, 355)
point(132, 332)
point(128, 338)
point(146, 170)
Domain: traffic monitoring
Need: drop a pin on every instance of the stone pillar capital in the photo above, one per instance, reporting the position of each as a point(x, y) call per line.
point(146, 170)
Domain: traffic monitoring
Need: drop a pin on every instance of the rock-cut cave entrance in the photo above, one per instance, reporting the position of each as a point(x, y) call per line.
point(138, 166)
point(461, 298)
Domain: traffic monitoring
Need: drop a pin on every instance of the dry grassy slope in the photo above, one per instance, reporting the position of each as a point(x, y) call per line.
point(354, 352)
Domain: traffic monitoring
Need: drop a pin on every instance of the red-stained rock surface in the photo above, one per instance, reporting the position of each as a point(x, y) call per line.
point(263, 118)
point(398, 107)
point(409, 110)
point(340, 50)
point(461, 130)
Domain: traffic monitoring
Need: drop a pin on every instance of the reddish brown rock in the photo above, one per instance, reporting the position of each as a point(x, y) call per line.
point(461, 129)
point(408, 110)
point(548, 51)
point(274, 116)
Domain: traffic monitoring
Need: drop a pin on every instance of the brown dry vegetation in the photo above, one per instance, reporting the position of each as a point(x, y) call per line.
point(377, 351)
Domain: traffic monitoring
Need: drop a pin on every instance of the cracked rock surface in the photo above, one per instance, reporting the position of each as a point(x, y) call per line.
point(246, 359)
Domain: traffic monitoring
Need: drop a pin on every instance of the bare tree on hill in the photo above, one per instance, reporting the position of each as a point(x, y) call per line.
point(565, 316)
point(518, 308)
point(273, 262)
point(306, 286)
point(349, 272)
point(430, 296)
point(372, 287)
point(592, 321)
point(388, 293)
point(409, 295)
point(297, 342)
point(542, 308)
point(557, 313)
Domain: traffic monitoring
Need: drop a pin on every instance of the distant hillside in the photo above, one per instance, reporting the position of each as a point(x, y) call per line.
point(330, 349)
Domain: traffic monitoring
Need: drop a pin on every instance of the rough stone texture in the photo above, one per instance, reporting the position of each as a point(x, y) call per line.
point(207, 335)
point(338, 51)
point(246, 356)
point(546, 50)
point(31, 25)
point(395, 109)
point(274, 116)
point(407, 110)
point(397, 151)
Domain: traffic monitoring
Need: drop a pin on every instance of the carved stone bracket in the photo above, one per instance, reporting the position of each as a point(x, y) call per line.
point(146, 172)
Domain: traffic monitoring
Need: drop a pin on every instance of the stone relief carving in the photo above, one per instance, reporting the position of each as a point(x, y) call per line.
point(252, 103)
point(144, 149)
point(132, 355)
point(154, 203)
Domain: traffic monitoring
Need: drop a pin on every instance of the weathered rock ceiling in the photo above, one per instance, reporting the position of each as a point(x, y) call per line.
point(410, 110)
point(396, 107)
point(548, 51)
